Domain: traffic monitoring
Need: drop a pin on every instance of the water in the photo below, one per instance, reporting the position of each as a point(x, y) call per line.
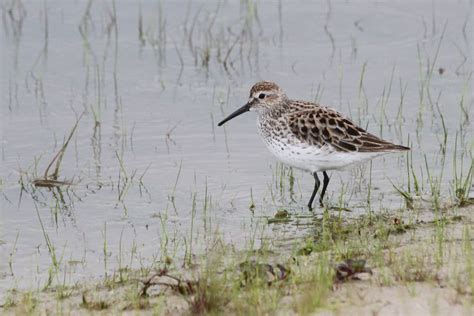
point(151, 107)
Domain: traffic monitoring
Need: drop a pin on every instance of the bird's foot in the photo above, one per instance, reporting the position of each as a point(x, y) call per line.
point(311, 208)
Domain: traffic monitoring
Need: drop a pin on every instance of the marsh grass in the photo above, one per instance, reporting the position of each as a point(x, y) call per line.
point(462, 182)
point(404, 247)
point(23, 302)
point(211, 294)
point(51, 180)
point(398, 249)
point(12, 253)
point(94, 304)
point(316, 281)
point(55, 260)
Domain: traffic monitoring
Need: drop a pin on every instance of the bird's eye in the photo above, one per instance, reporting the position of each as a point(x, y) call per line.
point(261, 96)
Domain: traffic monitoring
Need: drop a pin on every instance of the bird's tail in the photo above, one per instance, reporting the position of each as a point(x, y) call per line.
point(398, 148)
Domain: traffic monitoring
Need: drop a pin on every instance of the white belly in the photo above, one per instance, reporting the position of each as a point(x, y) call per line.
point(315, 159)
point(297, 154)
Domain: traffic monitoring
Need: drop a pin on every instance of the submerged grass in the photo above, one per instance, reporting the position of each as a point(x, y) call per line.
point(384, 250)
point(403, 248)
point(51, 180)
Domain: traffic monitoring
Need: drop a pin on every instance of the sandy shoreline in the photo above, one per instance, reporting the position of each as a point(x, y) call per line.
point(418, 270)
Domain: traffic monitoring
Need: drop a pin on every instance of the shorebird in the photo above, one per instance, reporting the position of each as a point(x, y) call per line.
point(309, 136)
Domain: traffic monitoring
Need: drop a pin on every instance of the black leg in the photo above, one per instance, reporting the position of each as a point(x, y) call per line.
point(325, 185)
point(316, 187)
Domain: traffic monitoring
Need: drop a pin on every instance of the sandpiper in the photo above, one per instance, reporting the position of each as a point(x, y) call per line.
point(309, 136)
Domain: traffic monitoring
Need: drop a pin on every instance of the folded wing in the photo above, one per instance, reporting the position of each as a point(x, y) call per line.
point(320, 126)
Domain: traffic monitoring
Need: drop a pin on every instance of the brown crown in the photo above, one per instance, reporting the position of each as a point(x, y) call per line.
point(264, 86)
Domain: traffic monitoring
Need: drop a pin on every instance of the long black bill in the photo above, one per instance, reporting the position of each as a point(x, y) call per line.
point(241, 110)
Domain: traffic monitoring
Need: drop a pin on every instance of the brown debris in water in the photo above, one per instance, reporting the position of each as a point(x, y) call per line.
point(51, 181)
point(349, 269)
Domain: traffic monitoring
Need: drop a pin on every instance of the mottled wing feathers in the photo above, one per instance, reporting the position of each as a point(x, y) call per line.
point(321, 126)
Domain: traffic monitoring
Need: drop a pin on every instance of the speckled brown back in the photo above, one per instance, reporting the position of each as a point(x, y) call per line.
point(317, 125)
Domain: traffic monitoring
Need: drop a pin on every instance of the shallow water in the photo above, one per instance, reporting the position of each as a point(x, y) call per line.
point(151, 109)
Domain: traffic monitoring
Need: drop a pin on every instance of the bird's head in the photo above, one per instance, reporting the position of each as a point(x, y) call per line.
point(264, 96)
